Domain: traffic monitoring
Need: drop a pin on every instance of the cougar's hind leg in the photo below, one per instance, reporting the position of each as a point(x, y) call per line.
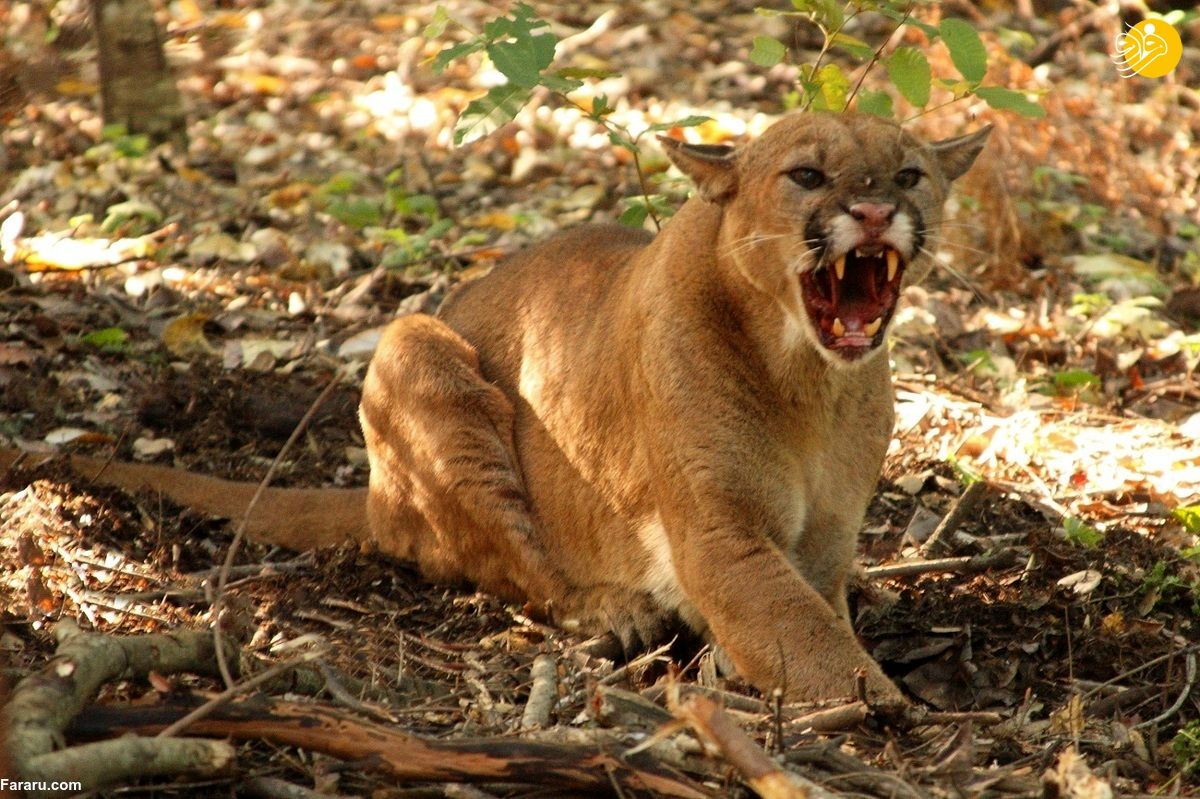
point(445, 486)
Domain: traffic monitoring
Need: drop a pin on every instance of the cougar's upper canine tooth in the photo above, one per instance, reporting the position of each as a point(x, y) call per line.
point(873, 328)
point(839, 266)
point(838, 328)
point(893, 259)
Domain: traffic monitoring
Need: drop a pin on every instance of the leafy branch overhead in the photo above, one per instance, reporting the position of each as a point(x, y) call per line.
point(824, 86)
point(522, 49)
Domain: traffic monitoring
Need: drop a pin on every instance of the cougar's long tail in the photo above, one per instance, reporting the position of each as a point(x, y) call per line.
point(296, 518)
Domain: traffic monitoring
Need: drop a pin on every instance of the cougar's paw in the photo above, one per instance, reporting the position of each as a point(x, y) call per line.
point(634, 618)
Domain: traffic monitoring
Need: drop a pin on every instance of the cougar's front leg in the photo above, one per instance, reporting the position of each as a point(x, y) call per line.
point(776, 628)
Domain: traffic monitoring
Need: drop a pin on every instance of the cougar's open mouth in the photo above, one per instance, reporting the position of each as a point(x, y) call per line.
point(851, 297)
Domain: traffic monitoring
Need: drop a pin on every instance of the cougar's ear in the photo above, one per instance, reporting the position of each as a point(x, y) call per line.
point(712, 167)
point(955, 156)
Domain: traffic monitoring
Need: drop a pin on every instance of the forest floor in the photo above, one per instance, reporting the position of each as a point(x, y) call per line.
point(187, 308)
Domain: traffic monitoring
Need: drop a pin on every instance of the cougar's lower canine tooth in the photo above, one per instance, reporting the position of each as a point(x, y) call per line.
point(839, 266)
point(873, 328)
point(893, 259)
point(838, 328)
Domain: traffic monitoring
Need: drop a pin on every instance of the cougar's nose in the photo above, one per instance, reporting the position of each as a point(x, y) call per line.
point(874, 217)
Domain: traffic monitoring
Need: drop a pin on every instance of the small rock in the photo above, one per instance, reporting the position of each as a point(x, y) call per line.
point(147, 449)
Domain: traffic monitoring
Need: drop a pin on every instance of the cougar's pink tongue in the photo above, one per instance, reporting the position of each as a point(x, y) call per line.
point(852, 298)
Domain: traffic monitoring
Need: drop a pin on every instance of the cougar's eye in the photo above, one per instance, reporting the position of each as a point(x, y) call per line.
point(807, 177)
point(907, 178)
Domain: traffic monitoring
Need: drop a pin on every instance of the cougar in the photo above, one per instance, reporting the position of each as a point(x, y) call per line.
point(637, 431)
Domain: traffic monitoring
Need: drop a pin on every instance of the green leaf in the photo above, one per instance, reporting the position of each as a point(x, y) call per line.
point(1081, 534)
point(579, 73)
point(521, 24)
point(496, 108)
point(855, 47)
point(834, 88)
point(1075, 378)
point(522, 60)
point(600, 107)
point(109, 339)
point(356, 212)
point(437, 25)
point(559, 84)
point(686, 122)
point(620, 141)
point(635, 213)
point(1189, 517)
point(827, 12)
point(443, 59)
point(1009, 100)
point(877, 103)
point(767, 52)
point(909, 71)
point(966, 49)
point(897, 16)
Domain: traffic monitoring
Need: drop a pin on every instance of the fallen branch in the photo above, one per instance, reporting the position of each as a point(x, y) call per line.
point(402, 756)
point(964, 506)
point(542, 694)
point(761, 773)
point(43, 704)
point(116, 762)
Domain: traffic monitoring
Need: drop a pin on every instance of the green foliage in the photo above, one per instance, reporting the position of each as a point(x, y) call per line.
point(1070, 380)
point(496, 108)
point(1081, 534)
point(1186, 747)
point(875, 102)
point(135, 217)
point(965, 474)
point(1189, 517)
point(107, 339)
point(907, 67)
point(767, 52)
point(522, 48)
point(638, 208)
point(909, 71)
point(127, 145)
point(1161, 586)
point(1009, 100)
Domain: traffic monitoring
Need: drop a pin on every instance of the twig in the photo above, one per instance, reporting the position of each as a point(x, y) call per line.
point(938, 541)
point(542, 694)
point(1129, 673)
point(833, 719)
point(231, 553)
point(761, 773)
point(1189, 683)
point(342, 695)
point(875, 58)
point(641, 660)
point(234, 691)
point(965, 564)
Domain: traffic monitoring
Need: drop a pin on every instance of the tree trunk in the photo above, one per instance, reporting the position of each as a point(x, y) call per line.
point(136, 87)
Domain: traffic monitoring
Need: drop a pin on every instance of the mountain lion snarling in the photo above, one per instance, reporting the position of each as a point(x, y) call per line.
point(634, 431)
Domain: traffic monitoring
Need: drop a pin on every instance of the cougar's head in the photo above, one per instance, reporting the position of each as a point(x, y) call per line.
point(828, 214)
